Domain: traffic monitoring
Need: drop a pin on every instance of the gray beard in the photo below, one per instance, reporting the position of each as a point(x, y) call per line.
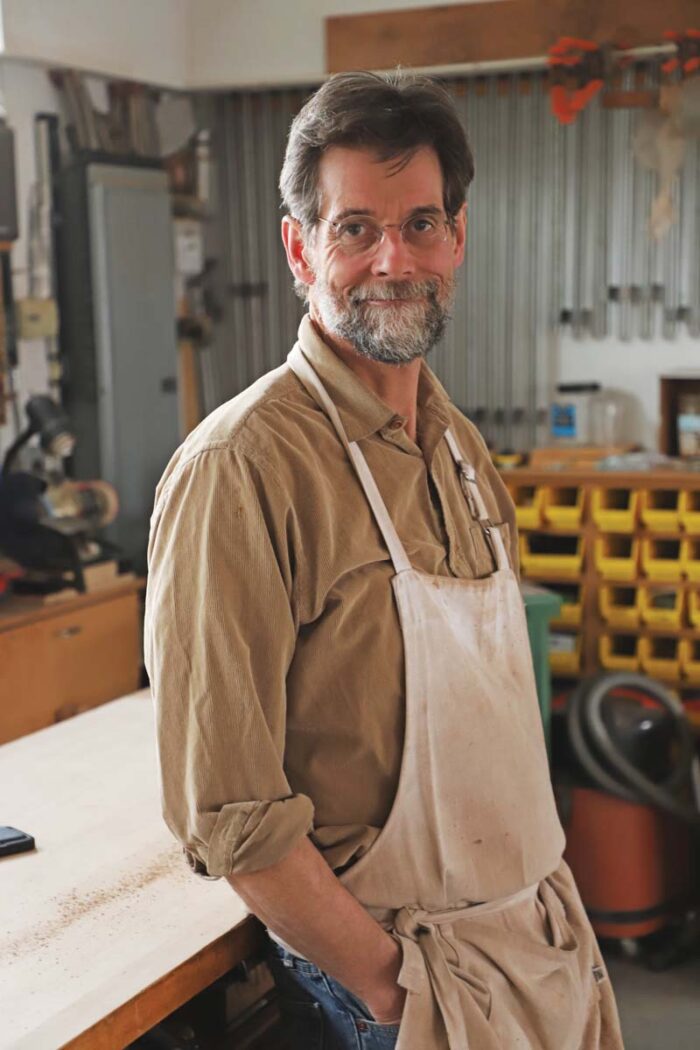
point(392, 335)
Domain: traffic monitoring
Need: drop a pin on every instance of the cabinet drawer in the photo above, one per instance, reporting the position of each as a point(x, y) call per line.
point(68, 663)
point(93, 655)
point(24, 694)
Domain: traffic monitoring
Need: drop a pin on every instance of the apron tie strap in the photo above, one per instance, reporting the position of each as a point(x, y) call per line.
point(425, 965)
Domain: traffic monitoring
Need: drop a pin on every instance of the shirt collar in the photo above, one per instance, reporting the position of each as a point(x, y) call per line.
point(364, 413)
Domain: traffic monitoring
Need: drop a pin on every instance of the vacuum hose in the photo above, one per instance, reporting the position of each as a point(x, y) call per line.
point(590, 737)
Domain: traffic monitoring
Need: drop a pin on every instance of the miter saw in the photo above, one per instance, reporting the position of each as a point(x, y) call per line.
point(49, 523)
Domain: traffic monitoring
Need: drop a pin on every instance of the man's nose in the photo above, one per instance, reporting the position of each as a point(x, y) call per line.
point(393, 257)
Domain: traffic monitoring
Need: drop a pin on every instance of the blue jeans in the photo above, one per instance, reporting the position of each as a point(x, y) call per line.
point(318, 1013)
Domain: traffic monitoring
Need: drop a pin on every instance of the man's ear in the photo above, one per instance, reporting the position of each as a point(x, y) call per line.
point(297, 250)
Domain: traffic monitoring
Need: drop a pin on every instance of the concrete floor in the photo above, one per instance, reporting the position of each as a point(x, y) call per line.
point(659, 1011)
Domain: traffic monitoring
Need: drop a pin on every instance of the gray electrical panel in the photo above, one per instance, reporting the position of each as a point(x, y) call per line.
point(116, 291)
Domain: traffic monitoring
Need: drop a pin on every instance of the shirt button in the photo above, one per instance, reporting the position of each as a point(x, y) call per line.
point(396, 423)
point(362, 1026)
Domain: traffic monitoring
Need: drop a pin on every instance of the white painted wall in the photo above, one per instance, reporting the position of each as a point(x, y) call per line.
point(184, 43)
point(267, 42)
point(634, 367)
point(136, 39)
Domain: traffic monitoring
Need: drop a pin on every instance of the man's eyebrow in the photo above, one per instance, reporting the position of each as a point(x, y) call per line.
point(347, 212)
point(425, 209)
point(421, 209)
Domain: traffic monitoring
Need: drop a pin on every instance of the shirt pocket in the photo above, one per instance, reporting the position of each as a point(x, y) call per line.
point(478, 550)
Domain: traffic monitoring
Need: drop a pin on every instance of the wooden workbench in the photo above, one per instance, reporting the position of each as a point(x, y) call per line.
point(103, 929)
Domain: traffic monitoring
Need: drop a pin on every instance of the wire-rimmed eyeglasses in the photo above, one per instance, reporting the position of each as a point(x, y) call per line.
point(356, 234)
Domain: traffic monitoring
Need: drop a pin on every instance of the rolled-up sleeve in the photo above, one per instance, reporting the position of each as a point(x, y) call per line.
point(219, 638)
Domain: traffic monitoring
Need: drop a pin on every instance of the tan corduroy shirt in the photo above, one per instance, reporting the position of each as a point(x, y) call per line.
point(272, 640)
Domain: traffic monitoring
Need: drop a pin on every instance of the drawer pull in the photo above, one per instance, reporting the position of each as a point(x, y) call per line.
point(69, 632)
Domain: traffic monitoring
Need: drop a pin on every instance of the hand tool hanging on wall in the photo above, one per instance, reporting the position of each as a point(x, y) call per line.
point(37, 315)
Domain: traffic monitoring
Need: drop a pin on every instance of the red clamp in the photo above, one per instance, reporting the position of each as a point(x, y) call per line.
point(581, 61)
point(687, 57)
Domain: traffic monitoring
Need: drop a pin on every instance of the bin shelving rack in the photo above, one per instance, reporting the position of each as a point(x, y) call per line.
point(624, 551)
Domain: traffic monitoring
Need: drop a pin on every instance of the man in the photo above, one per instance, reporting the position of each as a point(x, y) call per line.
point(347, 720)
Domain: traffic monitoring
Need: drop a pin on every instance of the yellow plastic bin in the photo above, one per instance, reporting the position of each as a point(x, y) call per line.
point(661, 606)
point(660, 509)
point(617, 556)
point(690, 511)
point(619, 606)
point(689, 651)
point(562, 507)
point(528, 504)
point(619, 652)
point(660, 657)
point(690, 557)
point(550, 556)
point(564, 653)
point(694, 608)
point(571, 609)
point(615, 510)
point(662, 558)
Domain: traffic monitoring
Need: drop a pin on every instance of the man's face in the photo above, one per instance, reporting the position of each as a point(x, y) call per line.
point(389, 302)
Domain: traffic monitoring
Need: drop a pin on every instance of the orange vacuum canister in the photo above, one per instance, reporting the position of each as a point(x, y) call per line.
point(632, 862)
point(623, 757)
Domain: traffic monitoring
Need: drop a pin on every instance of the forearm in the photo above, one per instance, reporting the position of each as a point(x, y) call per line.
point(303, 902)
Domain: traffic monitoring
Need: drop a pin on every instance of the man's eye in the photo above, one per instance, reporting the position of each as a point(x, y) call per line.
point(423, 224)
point(350, 231)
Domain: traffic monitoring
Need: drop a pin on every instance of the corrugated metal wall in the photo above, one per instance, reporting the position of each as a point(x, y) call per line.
point(618, 280)
point(557, 236)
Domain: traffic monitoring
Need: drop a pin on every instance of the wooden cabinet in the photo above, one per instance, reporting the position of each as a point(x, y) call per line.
point(58, 660)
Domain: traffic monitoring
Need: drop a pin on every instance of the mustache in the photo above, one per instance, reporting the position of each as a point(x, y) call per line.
point(395, 290)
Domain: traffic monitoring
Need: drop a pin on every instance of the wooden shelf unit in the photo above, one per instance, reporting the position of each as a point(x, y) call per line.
point(593, 625)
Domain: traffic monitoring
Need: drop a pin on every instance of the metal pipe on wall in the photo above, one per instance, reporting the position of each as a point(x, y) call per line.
point(694, 293)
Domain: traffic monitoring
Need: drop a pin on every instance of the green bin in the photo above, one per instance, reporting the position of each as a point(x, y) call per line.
point(541, 606)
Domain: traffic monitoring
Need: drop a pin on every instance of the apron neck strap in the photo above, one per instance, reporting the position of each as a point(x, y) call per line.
point(475, 502)
point(311, 381)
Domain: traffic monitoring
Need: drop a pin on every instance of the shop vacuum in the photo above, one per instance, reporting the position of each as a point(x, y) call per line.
point(627, 782)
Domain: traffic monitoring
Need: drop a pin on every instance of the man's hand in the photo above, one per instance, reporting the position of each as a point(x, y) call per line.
point(301, 900)
point(386, 1006)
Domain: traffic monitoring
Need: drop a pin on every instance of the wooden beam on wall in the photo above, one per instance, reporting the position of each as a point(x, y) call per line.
point(496, 31)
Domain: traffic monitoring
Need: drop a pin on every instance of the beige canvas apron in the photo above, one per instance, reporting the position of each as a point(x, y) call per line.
point(467, 872)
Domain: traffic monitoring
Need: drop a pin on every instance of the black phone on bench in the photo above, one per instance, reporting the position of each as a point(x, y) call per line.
point(12, 840)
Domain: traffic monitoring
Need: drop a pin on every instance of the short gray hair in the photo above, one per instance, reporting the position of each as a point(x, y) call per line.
point(393, 115)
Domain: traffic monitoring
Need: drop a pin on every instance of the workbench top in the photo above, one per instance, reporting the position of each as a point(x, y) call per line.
point(105, 906)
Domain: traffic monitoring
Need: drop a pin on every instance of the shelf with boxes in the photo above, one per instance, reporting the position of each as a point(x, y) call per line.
point(623, 551)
